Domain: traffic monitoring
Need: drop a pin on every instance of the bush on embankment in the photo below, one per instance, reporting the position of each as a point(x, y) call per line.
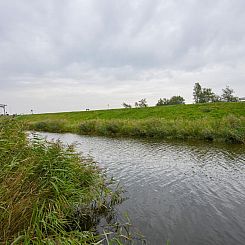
point(229, 129)
point(58, 126)
point(48, 193)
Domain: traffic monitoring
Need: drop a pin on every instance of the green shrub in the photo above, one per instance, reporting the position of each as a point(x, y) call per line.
point(57, 126)
point(87, 127)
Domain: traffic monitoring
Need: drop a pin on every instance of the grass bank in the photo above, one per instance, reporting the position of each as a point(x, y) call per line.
point(48, 193)
point(212, 121)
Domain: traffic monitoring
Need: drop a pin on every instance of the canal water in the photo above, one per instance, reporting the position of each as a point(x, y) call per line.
point(187, 193)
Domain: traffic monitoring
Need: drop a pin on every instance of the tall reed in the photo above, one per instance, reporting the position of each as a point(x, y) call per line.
point(48, 193)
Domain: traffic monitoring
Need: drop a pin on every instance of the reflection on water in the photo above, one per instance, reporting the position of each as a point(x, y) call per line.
point(188, 193)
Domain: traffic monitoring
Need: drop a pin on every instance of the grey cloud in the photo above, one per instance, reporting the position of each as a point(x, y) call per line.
point(124, 44)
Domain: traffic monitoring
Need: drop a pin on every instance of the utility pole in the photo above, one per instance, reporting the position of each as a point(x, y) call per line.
point(4, 108)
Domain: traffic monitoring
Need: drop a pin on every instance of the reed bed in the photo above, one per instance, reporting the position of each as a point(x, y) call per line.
point(229, 128)
point(49, 194)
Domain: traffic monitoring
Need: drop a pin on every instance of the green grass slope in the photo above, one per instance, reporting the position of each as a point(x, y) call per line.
point(190, 112)
point(212, 121)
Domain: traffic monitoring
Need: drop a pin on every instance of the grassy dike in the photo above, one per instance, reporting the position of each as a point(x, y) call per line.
point(48, 193)
point(212, 122)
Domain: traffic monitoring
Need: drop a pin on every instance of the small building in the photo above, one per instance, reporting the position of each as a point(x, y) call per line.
point(242, 99)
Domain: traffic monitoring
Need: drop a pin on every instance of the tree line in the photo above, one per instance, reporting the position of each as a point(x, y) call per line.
point(205, 95)
point(200, 95)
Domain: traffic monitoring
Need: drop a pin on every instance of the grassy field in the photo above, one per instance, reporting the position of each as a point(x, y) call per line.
point(212, 121)
point(174, 112)
point(49, 194)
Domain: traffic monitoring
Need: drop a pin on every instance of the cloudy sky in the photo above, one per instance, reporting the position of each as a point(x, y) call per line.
point(67, 55)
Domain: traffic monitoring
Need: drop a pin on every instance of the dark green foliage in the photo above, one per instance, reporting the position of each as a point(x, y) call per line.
point(87, 127)
point(58, 126)
point(176, 100)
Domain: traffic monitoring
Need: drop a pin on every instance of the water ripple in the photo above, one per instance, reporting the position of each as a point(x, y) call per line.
point(189, 193)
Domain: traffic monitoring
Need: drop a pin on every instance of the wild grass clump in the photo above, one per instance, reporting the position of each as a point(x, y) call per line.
point(233, 129)
point(230, 128)
point(101, 127)
point(48, 193)
point(87, 127)
point(52, 126)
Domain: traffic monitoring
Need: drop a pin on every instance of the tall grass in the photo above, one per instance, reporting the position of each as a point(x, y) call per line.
point(229, 129)
point(48, 193)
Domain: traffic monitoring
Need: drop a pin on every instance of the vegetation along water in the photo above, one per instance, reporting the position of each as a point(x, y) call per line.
point(221, 121)
point(51, 195)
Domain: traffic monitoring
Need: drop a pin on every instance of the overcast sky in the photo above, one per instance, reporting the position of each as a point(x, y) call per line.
point(66, 55)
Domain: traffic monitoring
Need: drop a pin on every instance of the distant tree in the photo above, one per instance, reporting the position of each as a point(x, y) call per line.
point(125, 105)
point(197, 92)
point(204, 95)
point(162, 102)
point(141, 103)
point(216, 98)
point(172, 101)
point(176, 100)
point(228, 95)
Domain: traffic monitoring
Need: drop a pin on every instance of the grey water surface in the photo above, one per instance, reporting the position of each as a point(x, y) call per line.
point(187, 193)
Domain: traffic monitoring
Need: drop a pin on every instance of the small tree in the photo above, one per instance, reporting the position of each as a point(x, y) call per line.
point(203, 95)
point(141, 103)
point(206, 95)
point(197, 92)
point(175, 100)
point(162, 102)
point(228, 95)
point(216, 98)
point(125, 105)
point(172, 101)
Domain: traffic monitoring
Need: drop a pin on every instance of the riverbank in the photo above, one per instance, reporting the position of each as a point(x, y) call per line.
point(48, 193)
point(212, 122)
